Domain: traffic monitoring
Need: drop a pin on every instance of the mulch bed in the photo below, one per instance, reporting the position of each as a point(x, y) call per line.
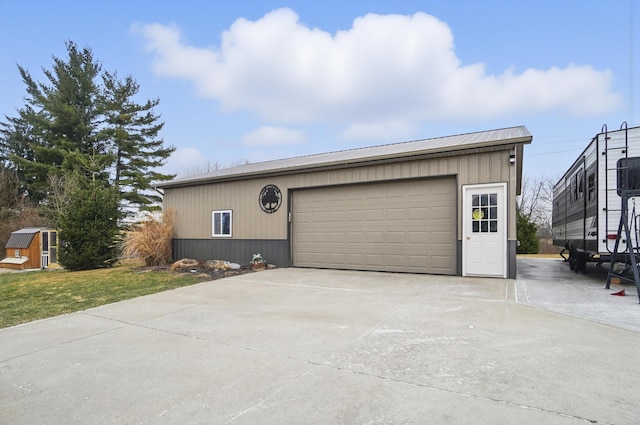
point(200, 271)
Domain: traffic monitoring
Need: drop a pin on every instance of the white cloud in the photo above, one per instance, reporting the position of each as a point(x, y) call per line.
point(273, 136)
point(384, 69)
point(186, 161)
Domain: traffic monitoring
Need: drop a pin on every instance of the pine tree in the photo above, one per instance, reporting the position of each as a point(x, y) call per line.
point(16, 154)
point(527, 232)
point(82, 113)
point(132, 135)
point(60, 118)
point(86, 124)
point(88, 227)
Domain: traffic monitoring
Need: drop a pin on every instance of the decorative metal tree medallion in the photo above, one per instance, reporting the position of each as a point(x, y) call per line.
point(270, 198)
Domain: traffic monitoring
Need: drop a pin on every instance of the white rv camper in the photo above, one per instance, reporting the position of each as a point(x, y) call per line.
point(589, 199)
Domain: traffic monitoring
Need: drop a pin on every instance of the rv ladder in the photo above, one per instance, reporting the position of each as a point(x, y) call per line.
point(630, 253)
point(610, 181)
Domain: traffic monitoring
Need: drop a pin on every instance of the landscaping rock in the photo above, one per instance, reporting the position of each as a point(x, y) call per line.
point(185, 263)
point(217, 265)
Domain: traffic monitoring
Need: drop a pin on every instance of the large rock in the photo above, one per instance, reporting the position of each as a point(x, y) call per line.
point(217, 265)
point(185, 263)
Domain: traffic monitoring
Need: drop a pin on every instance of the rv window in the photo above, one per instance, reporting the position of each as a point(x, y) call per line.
point(573, 195)
point(591, 187)
point(629, 174)
point(580, 185)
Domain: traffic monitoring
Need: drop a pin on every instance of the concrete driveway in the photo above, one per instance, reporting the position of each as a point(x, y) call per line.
point(299, 346)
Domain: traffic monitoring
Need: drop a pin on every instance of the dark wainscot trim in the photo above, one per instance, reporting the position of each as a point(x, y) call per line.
point(235, 250)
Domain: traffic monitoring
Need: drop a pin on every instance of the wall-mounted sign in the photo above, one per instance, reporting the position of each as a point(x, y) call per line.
point(270, 198)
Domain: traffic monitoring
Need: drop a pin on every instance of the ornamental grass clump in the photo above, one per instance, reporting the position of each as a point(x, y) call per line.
point(150, 240)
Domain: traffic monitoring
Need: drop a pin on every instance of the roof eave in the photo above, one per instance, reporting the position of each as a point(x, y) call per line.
point(350, 162)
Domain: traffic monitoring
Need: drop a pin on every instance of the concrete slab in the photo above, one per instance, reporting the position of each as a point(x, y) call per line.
point(550, 284)
point(293, 346)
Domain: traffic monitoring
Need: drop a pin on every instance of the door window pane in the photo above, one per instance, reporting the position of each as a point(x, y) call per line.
point(484, 213)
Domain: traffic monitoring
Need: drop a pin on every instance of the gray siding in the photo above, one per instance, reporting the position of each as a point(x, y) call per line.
point(237, 251)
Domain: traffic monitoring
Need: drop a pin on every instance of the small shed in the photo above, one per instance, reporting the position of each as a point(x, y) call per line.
point(445, 205)
point(31, 248)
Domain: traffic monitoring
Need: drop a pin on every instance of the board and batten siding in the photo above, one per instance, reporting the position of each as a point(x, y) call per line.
point(193, 204)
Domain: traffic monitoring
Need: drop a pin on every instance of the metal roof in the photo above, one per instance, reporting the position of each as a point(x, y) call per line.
point(22, 238)
point(438, 145)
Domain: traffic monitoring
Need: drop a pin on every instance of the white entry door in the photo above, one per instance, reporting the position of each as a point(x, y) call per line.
point(484, 239)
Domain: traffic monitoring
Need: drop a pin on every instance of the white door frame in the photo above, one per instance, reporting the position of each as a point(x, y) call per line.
point(467, 233)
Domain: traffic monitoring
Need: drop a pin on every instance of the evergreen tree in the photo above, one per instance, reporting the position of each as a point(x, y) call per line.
point(88, 227)
point(17, 155)
point(82, 114)
point(527, 232)
point(132, 134)
point(84, 149)
point(60, 117)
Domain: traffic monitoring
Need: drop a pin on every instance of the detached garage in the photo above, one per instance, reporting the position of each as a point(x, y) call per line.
point(440, 206)
point(400, 226)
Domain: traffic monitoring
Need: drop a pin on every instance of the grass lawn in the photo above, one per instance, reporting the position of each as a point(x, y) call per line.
point(29, 296)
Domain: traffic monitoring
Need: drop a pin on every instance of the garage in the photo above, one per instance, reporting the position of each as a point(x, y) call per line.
point(403, 226)
point(400, 207)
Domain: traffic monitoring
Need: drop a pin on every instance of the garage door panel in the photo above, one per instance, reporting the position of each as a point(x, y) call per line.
point(355, 237)
point(441, 238)
point(417, 213)
point(441, 263)
point(336, 237)
point(319, 238)
point(395, 226)
point(395, 238)
point(374, 194)
point(419, 238)
point(395, 214)
point(417, 261)
point(441, 213)
point(336, 216)
point(375, 259)
point(375, 237)
point(355, 216)
point(354, 259)
point(335, 258)
point(375, 215)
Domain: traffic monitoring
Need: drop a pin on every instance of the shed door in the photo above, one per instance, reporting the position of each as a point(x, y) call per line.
point(485, 230)
point(407, 226)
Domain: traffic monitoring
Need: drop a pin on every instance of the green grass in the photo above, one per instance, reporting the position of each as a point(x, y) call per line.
point(29, 296)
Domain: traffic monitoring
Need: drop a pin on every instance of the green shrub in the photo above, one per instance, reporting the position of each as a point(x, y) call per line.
point(527, 232)
point(88, 226)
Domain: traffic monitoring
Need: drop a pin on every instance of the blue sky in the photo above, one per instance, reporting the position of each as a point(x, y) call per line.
point(260, 80)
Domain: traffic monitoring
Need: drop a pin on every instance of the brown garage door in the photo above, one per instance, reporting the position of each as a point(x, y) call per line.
point(407, 226)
